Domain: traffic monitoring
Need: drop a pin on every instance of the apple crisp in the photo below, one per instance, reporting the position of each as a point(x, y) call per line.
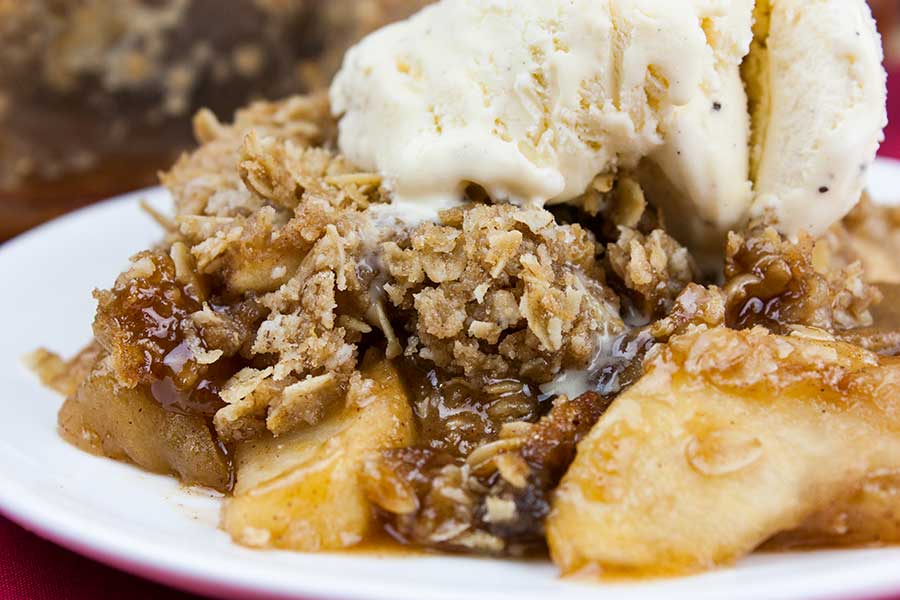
point(495, 381)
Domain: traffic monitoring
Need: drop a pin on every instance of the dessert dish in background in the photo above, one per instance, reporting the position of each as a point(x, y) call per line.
point(887, 14)
point(96, 96)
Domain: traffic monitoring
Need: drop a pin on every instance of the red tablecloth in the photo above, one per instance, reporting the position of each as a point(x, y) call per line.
point(32, 569)
point(891, 145)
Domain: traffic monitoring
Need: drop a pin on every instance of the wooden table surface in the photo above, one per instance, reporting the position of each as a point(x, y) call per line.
point(35, 202)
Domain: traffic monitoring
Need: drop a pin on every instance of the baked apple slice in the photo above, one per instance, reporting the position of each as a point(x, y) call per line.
point(129, 424)
point(301, 491)
point(729, 438)
point(867, 514)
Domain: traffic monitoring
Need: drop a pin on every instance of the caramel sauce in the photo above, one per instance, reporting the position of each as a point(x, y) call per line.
point(380, 544)
point(202, 397)
point(150, 313)
point(456, 415)
point(765, 306)
point(770, 283)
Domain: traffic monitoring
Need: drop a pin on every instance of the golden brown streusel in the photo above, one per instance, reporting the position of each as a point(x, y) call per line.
point(267, 214)
point(653, 269)
point(695, 305)
point(501, 291)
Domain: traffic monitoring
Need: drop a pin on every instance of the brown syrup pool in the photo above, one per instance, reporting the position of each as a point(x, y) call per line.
point(457, 415)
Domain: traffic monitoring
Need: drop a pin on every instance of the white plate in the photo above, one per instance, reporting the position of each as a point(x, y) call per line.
point(151, 526)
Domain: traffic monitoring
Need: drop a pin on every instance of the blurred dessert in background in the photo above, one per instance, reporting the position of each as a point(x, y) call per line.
point(887, 13)
point(96, 95)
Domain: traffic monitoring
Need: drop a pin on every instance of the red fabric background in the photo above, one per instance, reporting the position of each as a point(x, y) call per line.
point(891, 145)
point(33, 569)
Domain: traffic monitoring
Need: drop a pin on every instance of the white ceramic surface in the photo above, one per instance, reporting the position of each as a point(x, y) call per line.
point(151, 526)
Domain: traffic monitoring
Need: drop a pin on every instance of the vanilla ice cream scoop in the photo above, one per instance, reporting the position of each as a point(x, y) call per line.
point(531, 99)
point(818, 94)
point(699, 176)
